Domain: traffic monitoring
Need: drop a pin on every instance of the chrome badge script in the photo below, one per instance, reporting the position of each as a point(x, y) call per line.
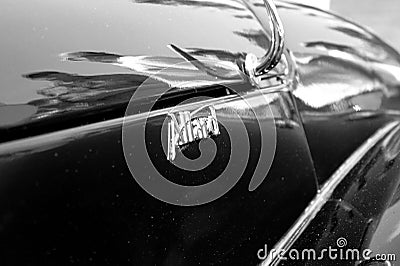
point(185, 127)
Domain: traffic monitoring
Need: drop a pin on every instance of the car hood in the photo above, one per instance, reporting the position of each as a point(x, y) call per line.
point(72, 58)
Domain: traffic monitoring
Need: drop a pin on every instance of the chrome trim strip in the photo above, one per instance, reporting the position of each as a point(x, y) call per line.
point(271, 59)
point(65, 135)
point(28, 143)
point(324, 195)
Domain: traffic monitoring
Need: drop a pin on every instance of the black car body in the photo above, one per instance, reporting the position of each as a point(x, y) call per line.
point(66, 189)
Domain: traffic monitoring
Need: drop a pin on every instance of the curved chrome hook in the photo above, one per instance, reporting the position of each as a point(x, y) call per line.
point(271, 58)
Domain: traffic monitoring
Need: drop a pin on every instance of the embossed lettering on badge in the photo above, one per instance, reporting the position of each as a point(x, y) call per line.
point(185, 127)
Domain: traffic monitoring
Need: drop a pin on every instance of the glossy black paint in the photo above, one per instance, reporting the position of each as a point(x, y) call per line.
point(362, 209)
point(337, 219)
point(68, 197)
point(74, 200)
point(362, 100)
point(346, 74)
point(45, 82)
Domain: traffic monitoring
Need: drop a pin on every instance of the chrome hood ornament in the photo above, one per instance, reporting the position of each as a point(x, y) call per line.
point(256, 67)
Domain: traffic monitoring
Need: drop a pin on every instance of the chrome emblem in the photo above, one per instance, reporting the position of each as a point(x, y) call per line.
point(185, 127)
